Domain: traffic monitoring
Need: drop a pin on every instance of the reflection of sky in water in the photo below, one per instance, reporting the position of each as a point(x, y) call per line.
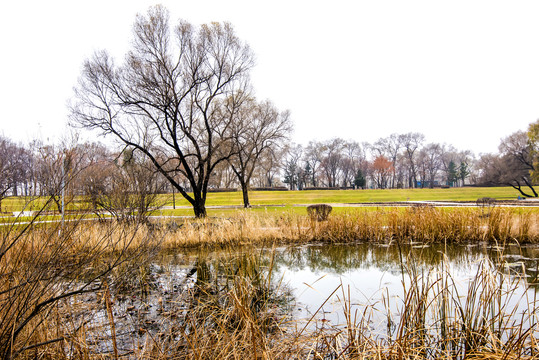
point(369, 275)
point(311, 289)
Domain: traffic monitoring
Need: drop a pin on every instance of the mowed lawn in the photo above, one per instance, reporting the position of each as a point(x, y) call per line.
point(288, 198)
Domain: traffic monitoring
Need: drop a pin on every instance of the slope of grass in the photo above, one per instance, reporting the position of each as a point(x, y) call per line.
point(290, 198)
point(354, 196)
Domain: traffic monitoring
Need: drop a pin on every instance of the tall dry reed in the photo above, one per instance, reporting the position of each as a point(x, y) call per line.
point(233, 310)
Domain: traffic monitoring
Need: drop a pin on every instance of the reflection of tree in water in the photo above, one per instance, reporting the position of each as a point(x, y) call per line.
point(340, 258)
point(337, 259)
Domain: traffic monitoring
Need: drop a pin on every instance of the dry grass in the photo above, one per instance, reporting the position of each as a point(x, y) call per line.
point(82, 278)
point(235, 311)
point(422, 224)
point(45, 266)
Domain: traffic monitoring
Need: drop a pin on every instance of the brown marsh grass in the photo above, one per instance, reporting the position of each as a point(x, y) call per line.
point(422, 224)
point(62, 290)
point(42, 267)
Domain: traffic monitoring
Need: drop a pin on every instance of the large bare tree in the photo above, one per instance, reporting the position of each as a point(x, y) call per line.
point(429, 163)
point(163, 100)
point(389, 147)
point(260, 128)
point(332, 161)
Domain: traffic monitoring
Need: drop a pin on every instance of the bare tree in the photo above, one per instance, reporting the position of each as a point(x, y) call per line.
point(133, 190)
point(313, 158)
point(259, 128)
point(332, 160)
point(354, 160)
point(411, 142)
point(430, 162)
point(25, 172)
point(164, 100)
point(223, 177)
point(95, 177)
point(270, 164)
point(381, 171)
point(390, 147)
point(504, 170)
point(57, 166)
point(516, 157)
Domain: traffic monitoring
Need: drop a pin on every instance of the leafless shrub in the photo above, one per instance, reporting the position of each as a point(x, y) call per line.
point(42, 265)
point(485, 203)
point(131, 190)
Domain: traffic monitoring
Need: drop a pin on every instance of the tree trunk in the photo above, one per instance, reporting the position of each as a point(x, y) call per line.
point(199, 203)
point(200, 209)
point(517, 187)
point(530, 186)
point(245, 192)
point(58, 203)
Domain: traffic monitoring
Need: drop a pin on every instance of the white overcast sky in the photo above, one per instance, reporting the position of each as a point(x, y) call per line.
point(462, 72)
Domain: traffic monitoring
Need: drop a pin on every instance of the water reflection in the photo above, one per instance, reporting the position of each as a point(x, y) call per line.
point(338, 259)
point(375, 276)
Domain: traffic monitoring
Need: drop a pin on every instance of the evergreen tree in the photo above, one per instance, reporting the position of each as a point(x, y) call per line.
point(307, 173)
point(359, 180)
point(452, 173)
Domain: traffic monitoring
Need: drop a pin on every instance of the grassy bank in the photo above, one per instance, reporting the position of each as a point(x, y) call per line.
point(356, 196)
point(420, 224)
point(290, 198)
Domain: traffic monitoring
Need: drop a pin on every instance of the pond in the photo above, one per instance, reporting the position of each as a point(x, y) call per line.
point(453, 296)
point(373, 281)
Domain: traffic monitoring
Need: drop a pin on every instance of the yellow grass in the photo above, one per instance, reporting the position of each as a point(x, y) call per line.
point(43, 261)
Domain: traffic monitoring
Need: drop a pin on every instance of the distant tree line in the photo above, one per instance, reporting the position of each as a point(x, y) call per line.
point(61, 172)
point(396, 161)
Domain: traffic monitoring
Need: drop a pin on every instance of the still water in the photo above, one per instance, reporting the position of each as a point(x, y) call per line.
point(373, 280)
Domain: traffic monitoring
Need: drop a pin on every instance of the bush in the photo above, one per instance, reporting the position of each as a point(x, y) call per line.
point(219, 190)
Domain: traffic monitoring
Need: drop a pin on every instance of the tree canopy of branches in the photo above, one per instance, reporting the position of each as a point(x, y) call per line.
point(165, 100)
point(260, 128)
point(382, 169)
point(132, 190)
point(514, 166)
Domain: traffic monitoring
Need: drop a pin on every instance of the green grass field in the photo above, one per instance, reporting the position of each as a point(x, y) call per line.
point(354, 196)
point(278, 201)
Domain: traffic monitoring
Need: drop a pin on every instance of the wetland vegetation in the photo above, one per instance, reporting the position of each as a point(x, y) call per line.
point(231, 287)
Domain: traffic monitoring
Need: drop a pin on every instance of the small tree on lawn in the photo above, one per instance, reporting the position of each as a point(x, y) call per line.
point(452, 173)
point(359, 180)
